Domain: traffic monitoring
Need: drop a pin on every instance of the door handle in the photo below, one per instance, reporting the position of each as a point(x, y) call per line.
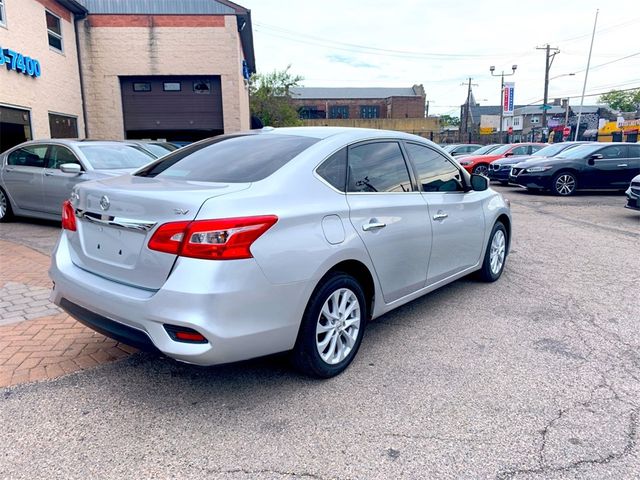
point(373, 226)
point(48, 174)
point(440, 216)
point(623, 165)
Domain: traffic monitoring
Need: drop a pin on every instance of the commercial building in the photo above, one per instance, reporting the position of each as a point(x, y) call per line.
point(174, 69)
point(354, 103)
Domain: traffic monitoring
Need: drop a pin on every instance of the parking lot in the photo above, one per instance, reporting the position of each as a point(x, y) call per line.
point(535, 376)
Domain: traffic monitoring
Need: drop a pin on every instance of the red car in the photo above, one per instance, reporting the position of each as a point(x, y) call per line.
point(480, 163)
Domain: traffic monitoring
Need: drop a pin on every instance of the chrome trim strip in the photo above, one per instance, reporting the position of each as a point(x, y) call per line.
point(116, 222)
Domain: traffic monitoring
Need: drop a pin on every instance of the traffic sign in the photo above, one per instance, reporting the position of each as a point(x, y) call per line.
point(545, 107)
point(566, 131)
point(510, 130)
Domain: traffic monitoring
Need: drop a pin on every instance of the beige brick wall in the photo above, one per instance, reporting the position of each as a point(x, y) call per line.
point(109, 52)
point(58, 89)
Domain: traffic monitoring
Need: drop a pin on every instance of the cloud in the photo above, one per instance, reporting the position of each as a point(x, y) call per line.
point(349, 60)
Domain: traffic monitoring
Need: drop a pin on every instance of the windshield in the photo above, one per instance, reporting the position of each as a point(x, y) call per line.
point(552, 150)
point(230, 159)
point(583, 151)
point(486, 149)
point(157, 149)
point(115, 156)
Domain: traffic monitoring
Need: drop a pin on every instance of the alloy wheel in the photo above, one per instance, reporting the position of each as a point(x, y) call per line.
point(481, 170)
point(338, 326)
point(497, 253)
point(565, 184)
point(3, 204)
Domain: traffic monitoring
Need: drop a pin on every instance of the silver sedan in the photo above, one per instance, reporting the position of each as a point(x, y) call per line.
point(37, 176)
point(285, 240)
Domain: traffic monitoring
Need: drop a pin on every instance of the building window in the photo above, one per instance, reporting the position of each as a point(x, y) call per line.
point(311, 112)
point(172, 86)
point(535, 120)
point(141, 87)
point(202, 87)
point(54, 30)
point(369, 111)
point(3, 17)
point(63, 126)
point(339, 111)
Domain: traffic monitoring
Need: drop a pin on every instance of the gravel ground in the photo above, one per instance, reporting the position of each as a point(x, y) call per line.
point(535, 376)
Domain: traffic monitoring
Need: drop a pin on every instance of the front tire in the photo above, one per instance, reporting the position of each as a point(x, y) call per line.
point(6, 213)
point(496, 255)
point(482, 169)
point(564, 184)
point(332, 327)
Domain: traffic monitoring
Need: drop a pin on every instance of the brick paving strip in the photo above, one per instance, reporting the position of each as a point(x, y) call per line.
point(37, 340)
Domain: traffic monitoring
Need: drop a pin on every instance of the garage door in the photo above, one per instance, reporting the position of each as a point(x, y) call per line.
point(15, 127)
point(173, 107)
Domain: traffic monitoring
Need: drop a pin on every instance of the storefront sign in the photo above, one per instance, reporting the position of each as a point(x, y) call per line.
point(18, 62)
point(507, 99)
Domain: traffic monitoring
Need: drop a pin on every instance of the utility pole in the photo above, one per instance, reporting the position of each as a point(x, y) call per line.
point(548, 58)
point(586, 74)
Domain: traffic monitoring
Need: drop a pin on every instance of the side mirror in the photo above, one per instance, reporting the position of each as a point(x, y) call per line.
point(479, 183)
point(455, 154)
point(508, 154)
point(72, 168)
point(594, 157)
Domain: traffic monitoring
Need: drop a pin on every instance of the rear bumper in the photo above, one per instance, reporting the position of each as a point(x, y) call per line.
point(231, 303)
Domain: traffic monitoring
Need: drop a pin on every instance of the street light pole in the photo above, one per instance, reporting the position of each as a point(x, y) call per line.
point(492, 69)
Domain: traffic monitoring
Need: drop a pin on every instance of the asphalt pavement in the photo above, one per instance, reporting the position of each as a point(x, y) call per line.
point(534, 376)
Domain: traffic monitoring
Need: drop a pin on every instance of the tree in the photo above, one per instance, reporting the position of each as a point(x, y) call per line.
point(624, 101)
point(270, 98)
point(449, 121)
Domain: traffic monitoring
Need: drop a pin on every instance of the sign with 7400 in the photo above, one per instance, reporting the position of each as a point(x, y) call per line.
point(18, 62)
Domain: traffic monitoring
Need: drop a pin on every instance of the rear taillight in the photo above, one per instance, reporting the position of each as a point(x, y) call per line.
point(68, 216)
point(225, 239)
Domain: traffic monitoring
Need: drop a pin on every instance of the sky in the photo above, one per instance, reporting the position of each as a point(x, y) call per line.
point(440, 44)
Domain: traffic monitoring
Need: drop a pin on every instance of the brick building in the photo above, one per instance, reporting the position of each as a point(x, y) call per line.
point(172, 69)
point(353, 103)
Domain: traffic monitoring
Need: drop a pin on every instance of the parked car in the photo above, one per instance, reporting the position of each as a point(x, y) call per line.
point(591, 166)
point(156, 147)
point(37, 176)
point(287, 240)
point(461, 149)
point(633, 194)
point(499, 169)
point(485, 150)
point(479, 163)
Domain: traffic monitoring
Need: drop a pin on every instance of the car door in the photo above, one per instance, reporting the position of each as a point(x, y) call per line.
point(390, 217)
point(613, 170)
point(634, 161)
point(57, 185)
point(520, 150)
point(456, 216)
point(22, 176)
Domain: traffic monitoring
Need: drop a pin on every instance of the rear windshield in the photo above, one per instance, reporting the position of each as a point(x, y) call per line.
point(157, 149)
point(230, 159)
point(115, 156)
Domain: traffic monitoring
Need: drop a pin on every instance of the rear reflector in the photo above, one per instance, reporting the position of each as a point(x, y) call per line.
point(184, 334)
point(68, 216)
point(225, 239)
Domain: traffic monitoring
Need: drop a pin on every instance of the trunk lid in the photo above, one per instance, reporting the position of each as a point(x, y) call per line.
point(116, 218)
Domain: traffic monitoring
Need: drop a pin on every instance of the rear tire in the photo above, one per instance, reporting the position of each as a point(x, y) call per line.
point(496, 255)
point(6, 214)
point(332, 327)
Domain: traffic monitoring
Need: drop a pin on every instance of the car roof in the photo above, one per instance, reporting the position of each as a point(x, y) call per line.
point(322, 133)
point(75, 142)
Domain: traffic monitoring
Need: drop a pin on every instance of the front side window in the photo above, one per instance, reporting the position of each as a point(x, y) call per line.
point(614, 152)
point(378, 167)
point(3, 18)
point(230, 159)
point(334, 170)
point(60, 155)
point(30, 156)
point(521, 150)
point(369, 111)
point(54, 30)
point(435, 172)
point(634, 151)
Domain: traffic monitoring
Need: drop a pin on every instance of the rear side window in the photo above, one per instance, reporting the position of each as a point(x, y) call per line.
point(31, 156)
point(230, 159)
point(435, 172)
point(378, 167)
point(334, 170)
